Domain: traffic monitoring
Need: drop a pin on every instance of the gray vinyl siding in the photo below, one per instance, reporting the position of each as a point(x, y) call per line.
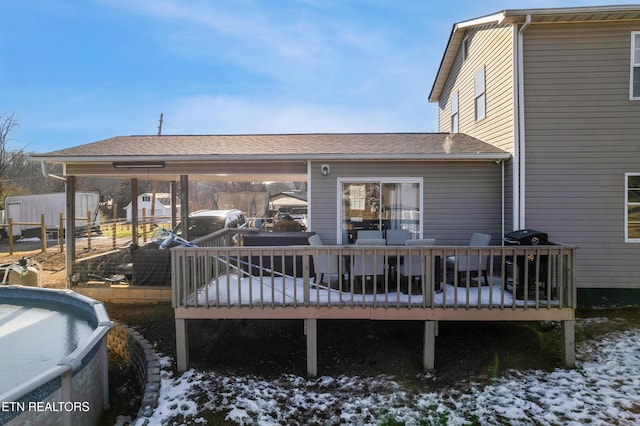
point(459, 197)
point(582, 135)
point(490, 47)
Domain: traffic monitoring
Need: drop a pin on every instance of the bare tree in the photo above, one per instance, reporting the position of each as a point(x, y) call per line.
point(7, 124)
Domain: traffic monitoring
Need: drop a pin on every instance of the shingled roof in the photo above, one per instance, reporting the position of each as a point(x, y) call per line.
point(329, 146)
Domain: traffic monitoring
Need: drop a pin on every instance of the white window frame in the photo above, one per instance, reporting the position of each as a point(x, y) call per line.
point(465, 48)
point(455, 116)
point(480, 94)
point(381, 180)
point(635, 65)
point(628, 204)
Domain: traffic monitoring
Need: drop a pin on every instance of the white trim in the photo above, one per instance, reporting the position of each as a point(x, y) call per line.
point(480, 91)
point(309, 215)
point(633, 65)
point(355, 179)
point(519, 164)
point(626, 209)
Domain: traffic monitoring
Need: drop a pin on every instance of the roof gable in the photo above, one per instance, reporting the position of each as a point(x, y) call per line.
point(518, 17)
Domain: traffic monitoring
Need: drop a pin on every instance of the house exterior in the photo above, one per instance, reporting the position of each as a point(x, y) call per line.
point(559, 89)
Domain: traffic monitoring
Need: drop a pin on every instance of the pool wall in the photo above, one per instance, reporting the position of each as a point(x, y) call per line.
point(76, 390)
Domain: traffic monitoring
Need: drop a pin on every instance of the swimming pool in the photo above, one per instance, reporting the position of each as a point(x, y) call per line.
point(53, 357)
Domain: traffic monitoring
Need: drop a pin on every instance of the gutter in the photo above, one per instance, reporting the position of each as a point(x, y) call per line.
point(519, 166)
point(43, 167)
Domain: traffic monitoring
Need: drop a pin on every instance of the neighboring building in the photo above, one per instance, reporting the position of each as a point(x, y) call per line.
point(559, 89)
point(162, 210)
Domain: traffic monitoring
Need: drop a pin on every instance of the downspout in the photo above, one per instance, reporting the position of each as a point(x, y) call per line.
point(502, 202)
point(48, 175)
point(519, 165)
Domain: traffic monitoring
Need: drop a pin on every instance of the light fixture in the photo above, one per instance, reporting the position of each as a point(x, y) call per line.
point(138, 164)
point(325, 170)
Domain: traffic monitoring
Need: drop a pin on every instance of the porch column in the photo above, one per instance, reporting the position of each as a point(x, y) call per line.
point(311, 331)
point(429, 349)
point(134, 212)
point(182, 345)
point(184, 204)
point(568, 343)
point(70, 227)
point(174, 207)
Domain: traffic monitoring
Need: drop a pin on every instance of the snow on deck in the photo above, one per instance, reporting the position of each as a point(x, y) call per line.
point(233, 290)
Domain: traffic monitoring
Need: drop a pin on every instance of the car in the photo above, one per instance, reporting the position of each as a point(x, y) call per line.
point(204, 222)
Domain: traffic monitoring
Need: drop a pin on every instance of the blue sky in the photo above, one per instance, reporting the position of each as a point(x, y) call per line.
point(78, 71)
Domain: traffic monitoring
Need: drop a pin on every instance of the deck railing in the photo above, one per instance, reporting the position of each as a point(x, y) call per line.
point(222, 275)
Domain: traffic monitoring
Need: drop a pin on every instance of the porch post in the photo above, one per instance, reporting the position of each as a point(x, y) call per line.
point(182, 345)
point(311, 331)
point(134, 212)
point(568, 343)
point(184, 204)
point(429, 349)
point(174, 207)
point(70, 228)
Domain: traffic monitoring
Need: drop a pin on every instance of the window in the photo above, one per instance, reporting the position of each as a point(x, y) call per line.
point(146, 198)
point(632, 208)
point(635, 65)
point(479, 95)
point(454, 113)
point(380, 204)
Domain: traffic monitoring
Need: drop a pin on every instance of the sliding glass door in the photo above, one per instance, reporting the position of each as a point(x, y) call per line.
point(379, 204)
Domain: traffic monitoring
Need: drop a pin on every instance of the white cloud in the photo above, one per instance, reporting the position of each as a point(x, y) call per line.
point(229, 115)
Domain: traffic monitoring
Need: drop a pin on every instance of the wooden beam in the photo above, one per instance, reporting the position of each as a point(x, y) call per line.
point(568, 343)
point(429, 348)
point(70, 227)
point(311, 331)
point(134, 212)
point(184, 205)
point(182, 345)
point(379, 313)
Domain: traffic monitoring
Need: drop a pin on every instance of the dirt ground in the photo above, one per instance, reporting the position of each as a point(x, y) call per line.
point(53, 260)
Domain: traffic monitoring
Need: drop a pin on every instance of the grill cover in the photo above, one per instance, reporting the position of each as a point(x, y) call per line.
point(526, 237)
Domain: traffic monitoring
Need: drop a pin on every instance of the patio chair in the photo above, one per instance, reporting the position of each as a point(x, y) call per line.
point(397, 237)
point(366, 266)
point(325, 263)
point(411, 267)
point(476, 265)
point(367, 234)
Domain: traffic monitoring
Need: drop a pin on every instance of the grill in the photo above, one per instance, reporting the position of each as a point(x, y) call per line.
point(531, 272)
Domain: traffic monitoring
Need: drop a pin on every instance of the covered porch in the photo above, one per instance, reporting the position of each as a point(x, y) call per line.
point(455, 185)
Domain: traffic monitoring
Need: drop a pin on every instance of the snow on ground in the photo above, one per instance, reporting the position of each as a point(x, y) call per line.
point(603, 389)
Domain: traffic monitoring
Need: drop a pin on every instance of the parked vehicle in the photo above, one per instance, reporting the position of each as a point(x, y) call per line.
point(28, 208)
point(204, 222)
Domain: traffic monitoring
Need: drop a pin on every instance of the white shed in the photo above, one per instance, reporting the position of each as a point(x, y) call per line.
point(162, 209)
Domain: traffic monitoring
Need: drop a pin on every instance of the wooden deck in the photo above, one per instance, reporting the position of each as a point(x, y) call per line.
point(524, 283)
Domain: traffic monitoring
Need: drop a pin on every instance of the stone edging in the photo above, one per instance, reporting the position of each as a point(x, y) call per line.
point(136, 351)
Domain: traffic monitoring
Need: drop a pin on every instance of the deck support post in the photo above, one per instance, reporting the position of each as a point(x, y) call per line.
point(429, 349)
point(311, 331)
point(568, 343)
point(182, 345)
